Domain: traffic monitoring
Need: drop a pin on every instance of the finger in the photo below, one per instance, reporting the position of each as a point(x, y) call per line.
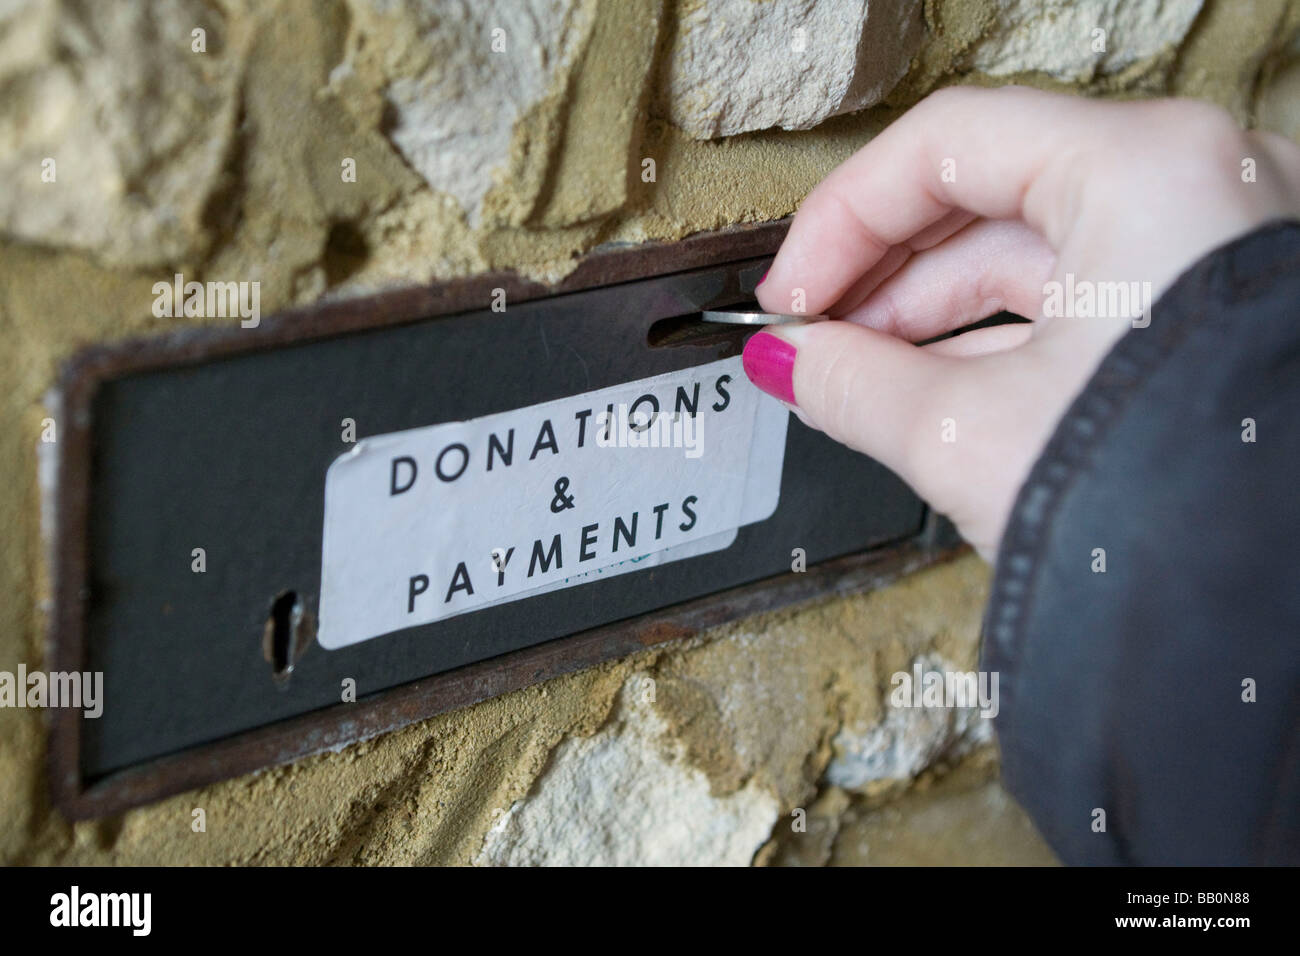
point(988, 267)
point(939, 423)
point(861, 387)
point(897, 257)
point(976, 342)
point(1003, 154)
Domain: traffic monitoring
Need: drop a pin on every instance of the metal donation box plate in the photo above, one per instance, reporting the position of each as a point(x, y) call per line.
point(430, 501)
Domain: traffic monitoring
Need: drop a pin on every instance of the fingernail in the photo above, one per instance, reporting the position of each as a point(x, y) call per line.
point(760, 281)
point(769, 363)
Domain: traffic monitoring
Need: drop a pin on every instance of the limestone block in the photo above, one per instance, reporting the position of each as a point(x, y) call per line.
point(737, 65)
point(628, 797)
point(907, 740)
point(461, 77)
point(1061, 38)
point(113, 128)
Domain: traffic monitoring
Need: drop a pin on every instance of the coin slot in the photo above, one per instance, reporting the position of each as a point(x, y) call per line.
point(692, 330)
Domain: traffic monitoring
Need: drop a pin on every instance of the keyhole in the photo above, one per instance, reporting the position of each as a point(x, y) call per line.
point(285, 635)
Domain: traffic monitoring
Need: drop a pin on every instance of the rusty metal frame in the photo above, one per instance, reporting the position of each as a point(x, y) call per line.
point(67, 538)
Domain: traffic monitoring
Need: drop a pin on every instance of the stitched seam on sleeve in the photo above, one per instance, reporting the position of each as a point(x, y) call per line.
point(1086, 424)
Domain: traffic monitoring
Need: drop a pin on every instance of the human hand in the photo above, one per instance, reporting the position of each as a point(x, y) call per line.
point(970, 204)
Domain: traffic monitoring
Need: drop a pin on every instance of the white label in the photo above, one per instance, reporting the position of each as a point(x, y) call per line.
point(429, 523)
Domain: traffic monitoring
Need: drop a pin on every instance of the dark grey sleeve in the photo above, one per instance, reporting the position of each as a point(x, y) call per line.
point(1164, 691)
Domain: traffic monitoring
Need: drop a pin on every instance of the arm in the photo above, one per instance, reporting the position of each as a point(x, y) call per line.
point(1121, 690)
point(1145, 614)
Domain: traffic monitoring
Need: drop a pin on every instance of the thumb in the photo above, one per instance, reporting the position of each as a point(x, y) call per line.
point(863, 388)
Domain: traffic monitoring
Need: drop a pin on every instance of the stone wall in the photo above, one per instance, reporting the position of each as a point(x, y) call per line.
point(211, 138)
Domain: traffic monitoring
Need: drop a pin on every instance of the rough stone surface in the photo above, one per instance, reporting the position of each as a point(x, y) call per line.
point(962, 818)
point(1279, 95)
point(461, 77)
point(629, 796)
point(1058, 37)
point(137, 124)
point(738, 66)
point(1230, 56)
point(907, 741)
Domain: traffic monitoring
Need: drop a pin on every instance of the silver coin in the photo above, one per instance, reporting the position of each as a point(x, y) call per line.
point(749, 317)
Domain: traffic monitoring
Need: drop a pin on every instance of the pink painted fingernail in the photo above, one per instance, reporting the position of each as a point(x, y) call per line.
point(769, 363)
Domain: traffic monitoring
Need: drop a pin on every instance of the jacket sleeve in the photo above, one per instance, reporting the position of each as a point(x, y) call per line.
point(1145, 612)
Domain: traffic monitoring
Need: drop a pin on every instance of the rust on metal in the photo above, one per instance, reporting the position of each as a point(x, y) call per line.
point(332, 727)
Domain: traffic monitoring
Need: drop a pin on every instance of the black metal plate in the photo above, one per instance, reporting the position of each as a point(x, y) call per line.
point(228, 452)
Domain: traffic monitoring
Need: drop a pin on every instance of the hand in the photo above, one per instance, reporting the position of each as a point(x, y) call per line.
point(970, 204)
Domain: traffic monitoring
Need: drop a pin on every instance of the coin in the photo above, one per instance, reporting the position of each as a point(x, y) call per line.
point(749, 317)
